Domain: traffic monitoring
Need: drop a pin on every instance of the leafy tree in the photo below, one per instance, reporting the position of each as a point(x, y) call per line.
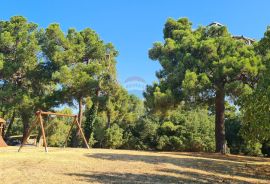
point(106, 84)
point(158, 99)
point(205, 65)
point(125, 110)
point(90, 118)
point(22, 82)
point(255, 106)
point(78, 60)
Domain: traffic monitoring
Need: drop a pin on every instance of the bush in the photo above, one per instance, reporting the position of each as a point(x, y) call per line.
point(167, 128)
point(180, 130)
point(253, 149)
point(163, 143)
point(148, 133)
point(113, 136)
point(143, 136)
point(92, 141)
point(57, 132)
point(188, 130)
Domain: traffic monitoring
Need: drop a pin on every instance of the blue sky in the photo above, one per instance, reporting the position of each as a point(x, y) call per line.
point(133, 25)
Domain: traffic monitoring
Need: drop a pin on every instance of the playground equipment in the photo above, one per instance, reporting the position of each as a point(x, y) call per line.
point(2, 142)
point(39, 122)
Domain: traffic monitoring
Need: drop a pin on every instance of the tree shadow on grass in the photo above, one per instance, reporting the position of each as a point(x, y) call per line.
point(197, 165)
point(127, 178)
point(218, 156)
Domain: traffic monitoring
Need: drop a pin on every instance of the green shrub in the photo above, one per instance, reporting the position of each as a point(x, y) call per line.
point(92, 141)
point(187, 130)
point(253, 149)
point(176, 143)
point(57, 132)
point(144, 134)
point(232, 132)
point(163, 143)
point(167, 128)
point(113, 136)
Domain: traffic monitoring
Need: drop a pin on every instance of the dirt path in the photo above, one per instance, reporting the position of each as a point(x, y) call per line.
point(69, 165)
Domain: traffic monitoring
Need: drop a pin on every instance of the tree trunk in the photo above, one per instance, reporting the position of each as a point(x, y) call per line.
point(2, 132)
point(8, 132)
point(219, 120)
point(25, 120)
point(76, 138)
point(80, 111)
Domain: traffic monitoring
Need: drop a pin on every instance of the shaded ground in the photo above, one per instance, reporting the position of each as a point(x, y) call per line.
point(32, 165)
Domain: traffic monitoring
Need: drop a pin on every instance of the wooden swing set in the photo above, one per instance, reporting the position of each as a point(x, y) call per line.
point(39, 122)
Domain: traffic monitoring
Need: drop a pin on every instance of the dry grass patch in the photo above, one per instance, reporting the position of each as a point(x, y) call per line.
point(73, 165)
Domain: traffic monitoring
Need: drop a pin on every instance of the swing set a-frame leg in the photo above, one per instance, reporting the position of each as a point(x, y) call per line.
point(82, 134)
point(43, 132)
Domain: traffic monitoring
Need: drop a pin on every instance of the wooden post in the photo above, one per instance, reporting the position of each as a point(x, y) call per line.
point(69, 132)
point(28, 134)
point(43, 131)
point(82, 134)
point(1, 128)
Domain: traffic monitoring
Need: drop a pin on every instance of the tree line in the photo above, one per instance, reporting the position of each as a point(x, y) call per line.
point(211, 95)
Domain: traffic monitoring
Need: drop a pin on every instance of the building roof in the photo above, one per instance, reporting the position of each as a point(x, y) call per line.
point(248, 41)
point(216, 24)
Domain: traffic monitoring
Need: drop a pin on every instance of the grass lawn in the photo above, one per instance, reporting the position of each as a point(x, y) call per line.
point(71, 165)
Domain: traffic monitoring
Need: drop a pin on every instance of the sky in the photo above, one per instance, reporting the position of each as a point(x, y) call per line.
point(134, 25)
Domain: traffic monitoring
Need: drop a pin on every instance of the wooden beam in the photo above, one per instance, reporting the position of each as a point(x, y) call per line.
point(56, 114)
